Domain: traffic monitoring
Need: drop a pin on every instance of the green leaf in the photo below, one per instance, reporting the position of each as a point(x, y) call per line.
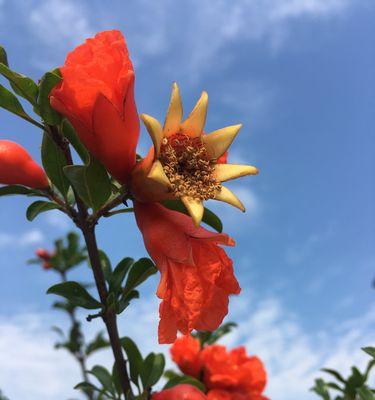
point(21, 84)
point(91, 183)
point(335, 374)
point(139, 272)
point(18, 189)
point(106, 265)
point(370, 351)
point(365, 394)
point(47, 83)
point(9, 102)
point(97, 344)
point(87, 386)
point(125, 300)
point(209, 217)
point(134, 357)
point(321, 389)
point(177, 380)
point(54, 160)
point(104, 377)
point(3, 56)
point(221, 331)
point(39, 207)
point(76, 294)
point(69, 132)
point(152, 369)
point(119, 274)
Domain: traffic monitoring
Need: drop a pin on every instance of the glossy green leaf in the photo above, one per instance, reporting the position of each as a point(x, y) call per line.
point(3, 56)
point(152, 369)
point(119, 274)
point(21, 190)
point(76, 294)
point(106, 265)
point(335, 374)
point(134, 358)
point(365, 394)
point(138, 273)
point(98, 343)
point(54, 161)
point(184, 379)
point(9, 102)
point(91, 183)
point(87, 386)
point(70, 133)
point(369, 350)
point(21, 84)
point(39, 207)
point(104, 377)
point(209, 217)
point(47, 83)
point(125, 300)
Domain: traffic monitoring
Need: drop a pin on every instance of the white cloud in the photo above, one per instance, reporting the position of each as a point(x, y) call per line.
point(60, 21)
point(292, 354)
point(29, 238)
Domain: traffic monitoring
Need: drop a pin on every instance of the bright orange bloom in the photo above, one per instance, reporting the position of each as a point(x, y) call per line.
point(44, 256)
point(180, 392)
point(96, 94)
point(185, 352)
point(233, 375)
point(185, 163)
point(17, 167)
point(196, 274)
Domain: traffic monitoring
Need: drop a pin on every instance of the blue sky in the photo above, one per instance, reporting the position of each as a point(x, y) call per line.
point(300, 76)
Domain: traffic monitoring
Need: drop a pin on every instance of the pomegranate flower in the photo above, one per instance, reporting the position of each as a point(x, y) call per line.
point(185, 352)
point(232, 375)
point(196, 274)
point(96, 94)
point(17, 167)
point(180, 392)
point(185, 163)
point(45, 256)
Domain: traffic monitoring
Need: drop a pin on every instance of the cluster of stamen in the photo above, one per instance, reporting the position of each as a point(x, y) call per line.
point(188, 167)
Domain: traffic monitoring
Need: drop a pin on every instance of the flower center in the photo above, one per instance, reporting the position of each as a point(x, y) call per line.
point(188, 167)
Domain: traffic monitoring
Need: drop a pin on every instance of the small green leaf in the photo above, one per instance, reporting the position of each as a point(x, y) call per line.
point(152, 369)
point(9, 102)
point(365, 394)
point(119, 274)
point(91, 182)
point(3, 56)
point(18, 189)
point(104, 377)
point(76, 294)
point(97, 344)
point(139, 272)
point(21, 84)
point(125, 300)
point(177, 380)
point(134, 357)
point(54, 160)
point(369, 350)
point(335, 374)
point(69, 132)
point(87, 386)
point(209, 217)
point(47, 83)
point(106, 265)
point(39, 207)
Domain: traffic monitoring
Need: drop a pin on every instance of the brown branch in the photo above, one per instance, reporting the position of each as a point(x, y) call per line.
point(88, 229)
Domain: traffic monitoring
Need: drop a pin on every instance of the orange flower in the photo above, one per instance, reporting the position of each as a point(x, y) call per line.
point(45, 257)
point(233, 375)
point(180, 392)
point(17, 167)
point(196, 274)
point(96, 94)
point(185, 352)
point(184, 163)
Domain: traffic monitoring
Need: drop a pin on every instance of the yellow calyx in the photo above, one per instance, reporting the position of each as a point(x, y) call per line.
point(185, 159)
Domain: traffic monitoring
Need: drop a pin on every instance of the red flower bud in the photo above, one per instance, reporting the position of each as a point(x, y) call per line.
point(96, 94)
point(17, 167)
point(180, 392)
point(43, 254)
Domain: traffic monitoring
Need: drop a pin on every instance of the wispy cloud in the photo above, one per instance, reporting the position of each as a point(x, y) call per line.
point(29, 238)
